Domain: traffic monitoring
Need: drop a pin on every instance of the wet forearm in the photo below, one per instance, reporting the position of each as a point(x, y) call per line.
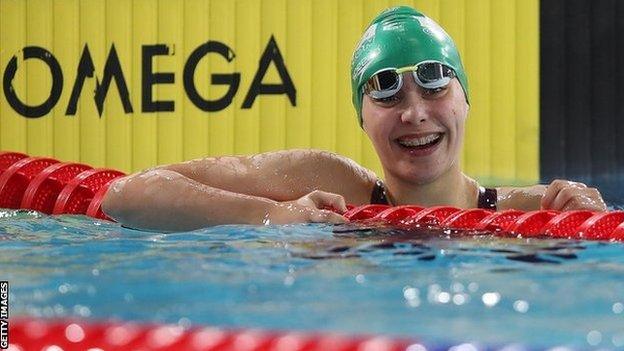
point(166, 200)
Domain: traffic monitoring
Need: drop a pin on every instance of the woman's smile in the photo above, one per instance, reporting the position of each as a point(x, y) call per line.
point(419, 145)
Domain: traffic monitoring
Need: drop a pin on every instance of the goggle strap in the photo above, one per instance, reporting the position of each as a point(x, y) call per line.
point(405, 69)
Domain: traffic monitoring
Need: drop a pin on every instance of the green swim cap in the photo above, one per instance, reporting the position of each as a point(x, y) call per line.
point(400, 37)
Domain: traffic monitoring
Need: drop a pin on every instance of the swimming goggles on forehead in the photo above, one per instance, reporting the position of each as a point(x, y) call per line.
point(388, 81)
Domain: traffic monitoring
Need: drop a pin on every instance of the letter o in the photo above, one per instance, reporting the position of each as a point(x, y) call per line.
point(57, 83)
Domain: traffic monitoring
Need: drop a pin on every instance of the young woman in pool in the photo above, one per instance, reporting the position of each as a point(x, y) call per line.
point(411, 96)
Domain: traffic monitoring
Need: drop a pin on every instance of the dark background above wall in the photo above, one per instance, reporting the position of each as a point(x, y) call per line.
point(581, 93)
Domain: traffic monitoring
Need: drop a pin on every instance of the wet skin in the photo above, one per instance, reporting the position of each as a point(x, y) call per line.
point(421, 174)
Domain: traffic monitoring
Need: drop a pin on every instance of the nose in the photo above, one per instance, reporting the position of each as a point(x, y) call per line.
point(416, 109)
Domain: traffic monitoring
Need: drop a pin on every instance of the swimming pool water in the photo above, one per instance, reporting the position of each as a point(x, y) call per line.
point(436, 286)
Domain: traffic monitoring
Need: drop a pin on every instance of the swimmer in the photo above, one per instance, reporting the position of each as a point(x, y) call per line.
point(410, 94)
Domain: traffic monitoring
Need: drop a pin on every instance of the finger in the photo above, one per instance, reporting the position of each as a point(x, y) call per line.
point(553, 189)
point(563, 197)
point(306, 201)
point(324, 199)
point(549, 195)
point(326, 216)
point(590, 200)
point(582, 203)
point(315, 196)
point(312, 199)
point(337, 203)
point(594, 198)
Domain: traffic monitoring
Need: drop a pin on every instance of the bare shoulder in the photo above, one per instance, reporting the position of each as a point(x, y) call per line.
point(334, 163)
point(526, 198)
point(328, 171)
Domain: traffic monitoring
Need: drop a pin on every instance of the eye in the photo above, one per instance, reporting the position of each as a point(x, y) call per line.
point(434, 92)
point(388, 100)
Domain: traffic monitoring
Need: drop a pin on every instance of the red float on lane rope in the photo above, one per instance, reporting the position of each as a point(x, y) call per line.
point(433, 215)
point(465, 219)
point(79, 192)
point(600, 226)
point(95, 207)
point(15, 179)
point(9, 158)
point(398, 213)
point(566, 224)
point(48, 186)
point(618, 233)
point(44, 189)
point(531, 223)
point(364, 212)
point(498, 221)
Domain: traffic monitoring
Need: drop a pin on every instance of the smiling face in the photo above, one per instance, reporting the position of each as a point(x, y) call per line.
point(417, 133)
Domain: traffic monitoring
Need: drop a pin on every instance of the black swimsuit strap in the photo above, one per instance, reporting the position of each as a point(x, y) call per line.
point(379, 196)
point(488, 197)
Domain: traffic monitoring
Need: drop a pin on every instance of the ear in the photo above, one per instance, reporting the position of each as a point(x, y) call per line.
point(363, 126)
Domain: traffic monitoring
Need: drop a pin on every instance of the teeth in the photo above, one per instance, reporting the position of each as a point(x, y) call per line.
point(420, 141)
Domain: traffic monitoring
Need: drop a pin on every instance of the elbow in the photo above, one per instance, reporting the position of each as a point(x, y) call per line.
point(140, 200)
point(116, 201)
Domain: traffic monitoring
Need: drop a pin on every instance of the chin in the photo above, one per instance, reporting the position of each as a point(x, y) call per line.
point(418, 176)
point(423, 179)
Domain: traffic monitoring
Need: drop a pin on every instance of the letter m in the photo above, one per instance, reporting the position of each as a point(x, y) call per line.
point(112, 70)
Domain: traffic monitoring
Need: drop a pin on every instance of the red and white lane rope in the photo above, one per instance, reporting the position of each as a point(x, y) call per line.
point(55, 335)
point(581, 225)
point(52, 187)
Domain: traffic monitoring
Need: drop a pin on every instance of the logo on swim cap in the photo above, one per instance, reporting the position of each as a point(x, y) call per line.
point(400, 37)
point(361, 47)
point(431, 27)
point(368, 35)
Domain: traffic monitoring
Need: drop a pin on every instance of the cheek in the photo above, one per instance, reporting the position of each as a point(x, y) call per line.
point(458, 115)
point(376, 133)
point(374, 121)
point(454, 121)
point(367, 118)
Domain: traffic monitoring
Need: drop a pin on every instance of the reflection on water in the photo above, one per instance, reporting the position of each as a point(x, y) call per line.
point(432, 284)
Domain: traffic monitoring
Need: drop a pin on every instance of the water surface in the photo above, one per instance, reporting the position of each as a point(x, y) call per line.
point(438, 286)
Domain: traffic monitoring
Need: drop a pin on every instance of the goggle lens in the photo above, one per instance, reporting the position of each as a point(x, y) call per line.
point(385, 80)
point(430, 73)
